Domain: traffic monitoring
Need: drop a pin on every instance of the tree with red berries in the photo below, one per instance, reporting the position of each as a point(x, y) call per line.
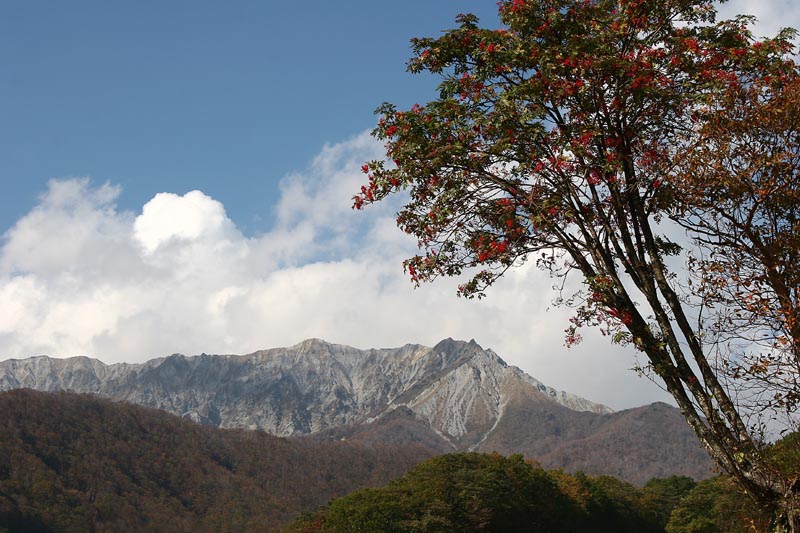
point(579, 136)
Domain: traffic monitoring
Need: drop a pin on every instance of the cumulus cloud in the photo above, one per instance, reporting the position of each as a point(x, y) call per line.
point(169, 217)
point(79, 276)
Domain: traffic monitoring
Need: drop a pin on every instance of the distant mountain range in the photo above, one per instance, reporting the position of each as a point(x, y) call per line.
point(452, 397)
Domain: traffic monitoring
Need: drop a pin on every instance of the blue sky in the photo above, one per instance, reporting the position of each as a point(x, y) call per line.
point(226, 97)
point(177, 177)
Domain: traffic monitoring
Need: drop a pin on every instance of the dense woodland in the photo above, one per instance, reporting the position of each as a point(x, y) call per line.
point(71, 462)
point(489, 492)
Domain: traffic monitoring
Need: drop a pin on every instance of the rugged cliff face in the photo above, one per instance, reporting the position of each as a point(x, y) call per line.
point(454, 396)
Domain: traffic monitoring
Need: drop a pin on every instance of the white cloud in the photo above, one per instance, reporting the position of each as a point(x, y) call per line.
point(169, 217)
point(71, 222)
point(80, 277)
point(771, 15)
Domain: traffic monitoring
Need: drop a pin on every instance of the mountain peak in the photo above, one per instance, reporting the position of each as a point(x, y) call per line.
point(312, 344)
point(457, 350)
point(450, 344)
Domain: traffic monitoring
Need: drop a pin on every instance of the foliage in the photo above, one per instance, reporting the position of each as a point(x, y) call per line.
point(661, 496)
point(568, 137)
point(716, 505)
point(480, 492)
point(617, 506)
point(77, 463)
point(784, 455)
point(455, 492)
point(741, 184)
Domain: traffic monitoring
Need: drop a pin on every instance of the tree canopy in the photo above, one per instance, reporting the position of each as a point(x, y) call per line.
point(578, 136)
point(489, 492)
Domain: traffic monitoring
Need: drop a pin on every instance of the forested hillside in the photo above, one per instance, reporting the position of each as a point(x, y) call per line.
point(73, 462)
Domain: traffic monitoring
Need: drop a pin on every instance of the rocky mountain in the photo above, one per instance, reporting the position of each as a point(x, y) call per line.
point(454, 396)
point(458, 388)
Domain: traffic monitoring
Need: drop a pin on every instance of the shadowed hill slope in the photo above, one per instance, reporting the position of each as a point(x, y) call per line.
point(72, 462)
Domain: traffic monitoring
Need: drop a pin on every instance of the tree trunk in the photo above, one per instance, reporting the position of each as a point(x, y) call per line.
point(787, 519)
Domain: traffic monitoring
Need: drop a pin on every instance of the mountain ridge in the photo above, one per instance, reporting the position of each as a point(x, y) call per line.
point(454, 396)
point(404, 373)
